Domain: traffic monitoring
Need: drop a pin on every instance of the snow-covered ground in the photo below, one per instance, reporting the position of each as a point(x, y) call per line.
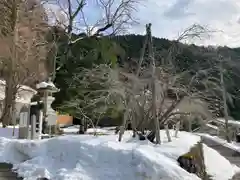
point(75, 129)
point(70, 129)
point(87, 157)
point(217, 166)
point(233, 145)
point(8, 132)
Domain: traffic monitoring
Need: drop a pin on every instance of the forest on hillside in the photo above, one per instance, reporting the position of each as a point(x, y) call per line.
point(125, 52)
point(186, 58)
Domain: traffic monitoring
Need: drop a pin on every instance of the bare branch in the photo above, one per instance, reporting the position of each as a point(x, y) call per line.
point(115, 16)
point(23, 31)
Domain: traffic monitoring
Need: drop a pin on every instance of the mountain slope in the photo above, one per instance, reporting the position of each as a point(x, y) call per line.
point(190, 57)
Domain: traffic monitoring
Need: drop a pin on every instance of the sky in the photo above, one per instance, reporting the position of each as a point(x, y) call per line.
point(171, 17)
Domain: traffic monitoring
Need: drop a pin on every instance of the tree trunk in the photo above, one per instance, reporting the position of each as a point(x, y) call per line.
point(177, 128)
point(14, 119)
point(225, 107)
point(167, 132)
point(11, 86)
point(8, 104)
point(154, 95)
point(134, 125)
point(122, 128)
point(82, 126)
point(189, 122)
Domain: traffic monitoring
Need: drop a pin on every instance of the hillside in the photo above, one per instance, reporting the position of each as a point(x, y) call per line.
point(127, 49)
point(188, 57)
point(132, 44)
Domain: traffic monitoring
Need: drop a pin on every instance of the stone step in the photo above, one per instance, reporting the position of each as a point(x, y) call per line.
point(6, 172)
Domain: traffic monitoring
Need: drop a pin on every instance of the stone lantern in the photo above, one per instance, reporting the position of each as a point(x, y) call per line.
point(49, 115)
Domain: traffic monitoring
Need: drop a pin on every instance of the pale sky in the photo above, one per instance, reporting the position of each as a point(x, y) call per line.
point(171, 17)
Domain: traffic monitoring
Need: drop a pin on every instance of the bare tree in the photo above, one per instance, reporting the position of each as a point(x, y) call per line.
point(177, 94)
point(226, 67)
point(154, 95)
point(165, 80)
point(23, 33)
point(174, 89)
point(114, 16)
point(224, 97)
point(73, 17)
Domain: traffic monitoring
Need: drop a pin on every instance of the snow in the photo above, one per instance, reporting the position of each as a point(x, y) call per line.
point(212, 126)
point(231, 122)
point(75, 129)
point(217, 166)
point(42, 85)
point(21, 87)
point(233, 145)
point(98, 130)
point(70, 129)
point(8, 132)
point(24, 93)
point(88, 157)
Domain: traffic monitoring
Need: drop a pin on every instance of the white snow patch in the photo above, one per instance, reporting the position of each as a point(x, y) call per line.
point(8, 132)
point(87, 157)
point(231, 122)
point(233, 145)
point(212, 126)
point(75, 129)
point(70, 129)
point(24, 93)
point(97, 130)
point(45, 85)
point(217, 166)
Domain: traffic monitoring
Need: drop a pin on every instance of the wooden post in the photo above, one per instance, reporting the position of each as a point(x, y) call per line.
point(122, 128)
point(189, 122)
point(40, 125)
point(177, 128)
point(28, 121)
point(224, 96)
point(50, 131)
point(167, 132)
point(14, 121)
point(45, 107)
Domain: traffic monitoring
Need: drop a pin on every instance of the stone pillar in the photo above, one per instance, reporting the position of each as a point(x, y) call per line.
point(23, 128)
point(33, 126)
point(40, 125)
point(51, 114)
